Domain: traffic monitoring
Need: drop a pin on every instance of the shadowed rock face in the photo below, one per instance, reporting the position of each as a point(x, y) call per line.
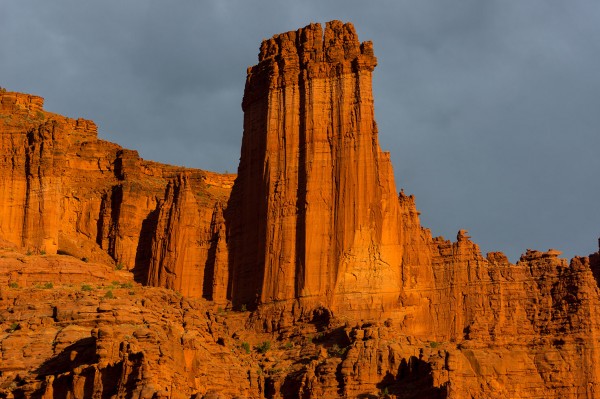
point(356, 298)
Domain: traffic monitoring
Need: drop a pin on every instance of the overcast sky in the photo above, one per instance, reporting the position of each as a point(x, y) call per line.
point(490, 109)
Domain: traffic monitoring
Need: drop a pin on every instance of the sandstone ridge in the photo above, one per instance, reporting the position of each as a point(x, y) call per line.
point(305, 276)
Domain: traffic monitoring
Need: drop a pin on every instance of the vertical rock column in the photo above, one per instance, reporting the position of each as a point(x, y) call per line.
point(29, 174)
point(177, 258)
point(186, 254)
point(313, 213)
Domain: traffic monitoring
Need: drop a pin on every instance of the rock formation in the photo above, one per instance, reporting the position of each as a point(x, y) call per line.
point(186, 253)
point(313, 211)
point(96, 333)
point(307, 277)
point(64, 190)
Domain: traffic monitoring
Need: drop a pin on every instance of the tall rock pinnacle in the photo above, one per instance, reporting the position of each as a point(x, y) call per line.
point(314, 210)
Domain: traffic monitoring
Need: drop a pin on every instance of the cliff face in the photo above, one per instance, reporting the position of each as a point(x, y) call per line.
point(314, 220)
point(64, 190)
point(313, 212)
point(349, 295)
point(28, 173)
point(186, 253)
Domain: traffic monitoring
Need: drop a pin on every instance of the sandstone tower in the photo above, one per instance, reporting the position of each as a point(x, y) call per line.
point(314, 210)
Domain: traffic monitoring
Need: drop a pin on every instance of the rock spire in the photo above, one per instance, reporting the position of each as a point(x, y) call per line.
point(314, 210)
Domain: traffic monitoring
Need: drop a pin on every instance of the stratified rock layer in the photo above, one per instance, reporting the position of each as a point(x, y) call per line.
point(96, 333)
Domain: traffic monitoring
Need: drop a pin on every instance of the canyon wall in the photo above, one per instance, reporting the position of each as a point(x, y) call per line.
point(64, 190)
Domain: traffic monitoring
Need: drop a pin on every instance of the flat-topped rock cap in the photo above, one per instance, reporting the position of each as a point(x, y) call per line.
point(337, 43)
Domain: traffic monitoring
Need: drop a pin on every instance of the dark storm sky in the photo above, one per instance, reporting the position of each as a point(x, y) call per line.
point(491, 109)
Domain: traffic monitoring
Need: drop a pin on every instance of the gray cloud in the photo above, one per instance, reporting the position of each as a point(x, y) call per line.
point(489, 108)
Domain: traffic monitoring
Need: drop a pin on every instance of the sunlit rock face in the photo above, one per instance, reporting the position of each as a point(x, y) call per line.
point(314, 210)
point(63, 190)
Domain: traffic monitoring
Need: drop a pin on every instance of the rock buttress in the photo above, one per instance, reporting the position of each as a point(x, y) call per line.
point(313, 212)
point(62, 190)
point(187, 255)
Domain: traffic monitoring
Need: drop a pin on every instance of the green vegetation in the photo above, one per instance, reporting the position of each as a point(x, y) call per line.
point(13, 285)
point(288, 345)
point(245, 346)
point(263, 347)
point(48, 286)
point(14, 327)
point(243, 308)
point(119, 266)
point(336, 351)
point(434, 344)
point(109, 295)
point(119, 284)
point(86, 287)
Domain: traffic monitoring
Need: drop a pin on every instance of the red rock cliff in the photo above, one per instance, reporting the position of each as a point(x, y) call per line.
point(313, 212)
point(64, 190)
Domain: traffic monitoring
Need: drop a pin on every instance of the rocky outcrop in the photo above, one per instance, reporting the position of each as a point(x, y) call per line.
point(62, 190)
point(96, 333)
point(188, 254)
point(313, 212)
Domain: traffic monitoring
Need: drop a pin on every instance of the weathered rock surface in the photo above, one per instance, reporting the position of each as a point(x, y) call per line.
point(313, 212)
point(187, 253)
point(62, 190)
point(96, 333)
point(337, 289)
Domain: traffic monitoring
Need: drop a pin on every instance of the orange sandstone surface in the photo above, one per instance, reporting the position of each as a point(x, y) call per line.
point(305, 276)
